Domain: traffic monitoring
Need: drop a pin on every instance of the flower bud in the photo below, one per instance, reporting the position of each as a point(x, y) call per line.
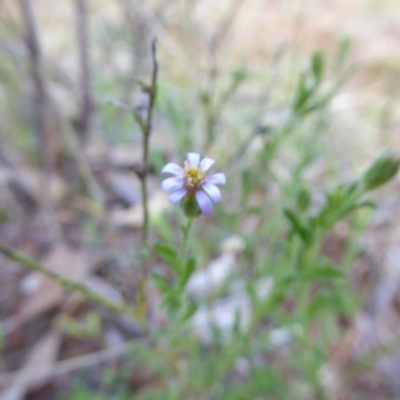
point(382, 170)
point(190, 207)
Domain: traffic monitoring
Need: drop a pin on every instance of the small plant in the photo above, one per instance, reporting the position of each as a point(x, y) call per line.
point(268, 330)
point(196, 188)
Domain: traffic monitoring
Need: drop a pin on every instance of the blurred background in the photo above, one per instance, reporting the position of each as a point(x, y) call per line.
point(72, 71)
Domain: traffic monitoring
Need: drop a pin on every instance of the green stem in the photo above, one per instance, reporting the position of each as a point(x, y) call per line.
point(185, 231)
point(145, 227)
point(308, 260)
point(64, 282)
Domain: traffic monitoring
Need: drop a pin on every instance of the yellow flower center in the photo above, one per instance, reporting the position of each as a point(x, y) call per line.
point(194, 176)
point(194, 172)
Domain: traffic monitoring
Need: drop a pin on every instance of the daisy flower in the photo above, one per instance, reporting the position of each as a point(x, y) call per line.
point(194, 181)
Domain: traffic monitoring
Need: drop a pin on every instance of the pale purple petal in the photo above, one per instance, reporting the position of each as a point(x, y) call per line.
point(205, 203)
point(206, 163)
point(172, 168)
point(193, 159)
point(213, 192)
point(217, 179)
point(172, 183)
point(177, 195)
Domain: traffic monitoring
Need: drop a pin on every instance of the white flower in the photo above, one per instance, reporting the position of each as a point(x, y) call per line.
point(194, 181)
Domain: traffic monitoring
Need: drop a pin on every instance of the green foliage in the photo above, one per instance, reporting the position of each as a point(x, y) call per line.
point(168, 255)
point(298, 226)
point(188, 270)
point(173, 292)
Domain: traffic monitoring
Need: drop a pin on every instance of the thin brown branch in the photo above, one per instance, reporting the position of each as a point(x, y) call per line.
point(150, 91)
point(34, 51)
point(83, 41)
point(145, 124)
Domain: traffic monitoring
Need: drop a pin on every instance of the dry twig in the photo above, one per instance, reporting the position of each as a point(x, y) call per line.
point(145, 124)
point(83, 123)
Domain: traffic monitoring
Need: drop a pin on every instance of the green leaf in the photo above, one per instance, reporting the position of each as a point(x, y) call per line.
point(302, 95)
point(327, 303)
point(365, 204)
point(319, 305)
point(172, 302)
point(298, 225)
point(162, 284)
point(327, 272)
point(190, 266)
point(188, 312)
point(318, 65)
point(167, 254)
point(303, 198)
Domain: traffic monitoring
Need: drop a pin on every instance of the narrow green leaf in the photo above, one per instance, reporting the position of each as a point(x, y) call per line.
point(325, 273)
point(302, 95)
point(318, 65)
point(190, 266)
point(188, 312)
point(303, 198)
point(167, 254)
point(162, 284)
point(297, 225)
point(365, 204)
